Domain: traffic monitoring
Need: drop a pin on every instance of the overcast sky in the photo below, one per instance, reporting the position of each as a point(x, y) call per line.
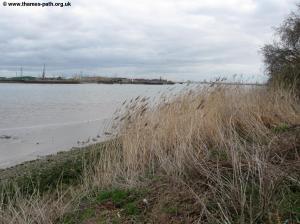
point(175, 39)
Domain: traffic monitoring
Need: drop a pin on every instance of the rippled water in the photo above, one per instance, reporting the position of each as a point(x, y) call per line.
point(40, 119)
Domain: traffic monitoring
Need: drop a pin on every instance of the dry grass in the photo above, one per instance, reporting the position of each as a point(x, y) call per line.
point(221, 139)
point(33, 209)
point(235, 149)
point(185, 129)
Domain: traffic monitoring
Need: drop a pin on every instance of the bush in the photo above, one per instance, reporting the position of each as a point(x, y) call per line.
point(282, 58)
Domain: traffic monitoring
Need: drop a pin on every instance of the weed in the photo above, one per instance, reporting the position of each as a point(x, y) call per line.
point(172, 210)
point(87, 213)
point(281, 128)
point(131, 208)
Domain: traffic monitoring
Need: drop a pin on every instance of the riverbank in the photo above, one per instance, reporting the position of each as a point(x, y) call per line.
point(210, 155)
point(27, 143)
point(120, 205)
point(43, 174)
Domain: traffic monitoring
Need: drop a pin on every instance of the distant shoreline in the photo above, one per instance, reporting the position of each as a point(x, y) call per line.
point(41, 81)
point(83, 82)
point(65, 81)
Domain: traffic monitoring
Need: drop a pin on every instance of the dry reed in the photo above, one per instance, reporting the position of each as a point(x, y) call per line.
point(223, 143)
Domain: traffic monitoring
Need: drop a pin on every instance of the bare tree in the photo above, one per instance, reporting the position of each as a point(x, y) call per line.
point(282, 58)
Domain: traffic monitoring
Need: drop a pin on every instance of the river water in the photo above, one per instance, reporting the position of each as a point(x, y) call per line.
point(42, 119)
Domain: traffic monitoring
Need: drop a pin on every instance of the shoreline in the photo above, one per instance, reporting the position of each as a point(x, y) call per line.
point(125, 83)
point(66, 167)
point(74, 151)
point(41, 81)
point(24, 144)
point(87, 82)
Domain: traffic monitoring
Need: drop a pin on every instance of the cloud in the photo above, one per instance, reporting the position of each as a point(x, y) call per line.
point(180, 39)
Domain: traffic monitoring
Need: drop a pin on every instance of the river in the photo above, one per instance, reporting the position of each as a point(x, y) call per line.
point(42, 119)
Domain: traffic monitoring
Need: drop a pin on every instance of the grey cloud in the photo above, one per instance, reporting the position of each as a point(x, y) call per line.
point(181, 39)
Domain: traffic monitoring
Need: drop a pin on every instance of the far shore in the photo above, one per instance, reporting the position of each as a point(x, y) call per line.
point(41, 81)
point(84, 80)
point(133, 83)
point(114, 80)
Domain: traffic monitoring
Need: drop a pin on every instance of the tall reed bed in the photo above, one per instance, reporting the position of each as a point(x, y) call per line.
point(235, 149)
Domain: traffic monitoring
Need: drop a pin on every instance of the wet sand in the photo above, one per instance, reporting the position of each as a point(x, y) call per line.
point(31, 142)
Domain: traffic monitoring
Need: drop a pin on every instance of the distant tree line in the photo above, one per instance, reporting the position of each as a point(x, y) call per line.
point(282, 57)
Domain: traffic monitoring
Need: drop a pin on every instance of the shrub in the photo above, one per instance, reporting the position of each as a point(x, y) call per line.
point(282, 58)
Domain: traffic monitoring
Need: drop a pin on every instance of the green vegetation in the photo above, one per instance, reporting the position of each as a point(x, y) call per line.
point(281, 128)
point(170, 209)
point(116, 205)
point(44, 175)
